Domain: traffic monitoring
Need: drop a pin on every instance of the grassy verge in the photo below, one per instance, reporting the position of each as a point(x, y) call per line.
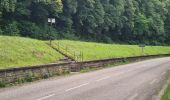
point(96, 51)
point(17, 51)
point(166, 95)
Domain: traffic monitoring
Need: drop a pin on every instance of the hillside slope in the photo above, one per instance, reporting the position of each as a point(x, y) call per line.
point(17, 51)
point(95, 51)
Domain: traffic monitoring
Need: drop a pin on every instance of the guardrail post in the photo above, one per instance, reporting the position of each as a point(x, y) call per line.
point(66, 50)
point(74, 55)
point(58, 46)
point(82, 56)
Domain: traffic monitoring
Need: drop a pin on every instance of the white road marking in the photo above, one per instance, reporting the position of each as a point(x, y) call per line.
point(50, 95)
point(103, 78)
point(153, 81)
point(163, 73)
point(76, 87)
point(133, 97)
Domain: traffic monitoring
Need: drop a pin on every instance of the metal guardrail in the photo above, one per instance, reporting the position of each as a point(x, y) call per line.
point(128, 58)
point(65, 50)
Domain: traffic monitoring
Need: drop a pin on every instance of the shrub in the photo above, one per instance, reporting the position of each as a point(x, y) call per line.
point(11, 29)
point(2, 84)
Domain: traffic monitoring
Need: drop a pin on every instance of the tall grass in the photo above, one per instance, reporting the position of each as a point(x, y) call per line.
point(166, 95)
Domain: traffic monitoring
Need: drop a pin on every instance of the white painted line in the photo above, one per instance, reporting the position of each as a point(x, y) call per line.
point(163, 73)
point(103, 78)
point(153, 81)
point(48, 96)
point(133, 97)
point(76, 87)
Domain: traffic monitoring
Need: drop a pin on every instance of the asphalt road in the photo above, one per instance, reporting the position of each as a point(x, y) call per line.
point(136, 81)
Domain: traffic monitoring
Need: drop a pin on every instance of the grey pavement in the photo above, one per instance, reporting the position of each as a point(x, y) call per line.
point(135, 81)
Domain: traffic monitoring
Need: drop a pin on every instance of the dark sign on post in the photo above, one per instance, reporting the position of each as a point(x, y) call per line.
point(142, 45)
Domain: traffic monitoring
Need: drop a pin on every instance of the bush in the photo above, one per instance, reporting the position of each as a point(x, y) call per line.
point(70, 36)
point(107, 39)
point(28, 29)
point(1, 32)
point(11, 29)
point(2, 84)
point(32, 30)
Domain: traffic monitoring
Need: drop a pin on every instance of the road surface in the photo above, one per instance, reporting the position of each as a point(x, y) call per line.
point(136, 81)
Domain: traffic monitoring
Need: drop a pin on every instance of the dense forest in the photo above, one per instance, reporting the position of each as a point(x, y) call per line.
point(120, 21)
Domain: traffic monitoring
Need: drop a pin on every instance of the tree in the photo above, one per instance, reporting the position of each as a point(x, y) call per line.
point(127, 21)
point(89, 17)
point(12, 29)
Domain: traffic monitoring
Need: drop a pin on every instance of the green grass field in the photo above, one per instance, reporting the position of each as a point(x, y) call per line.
point(95, 51)
point(17, 51)
point(166, 95)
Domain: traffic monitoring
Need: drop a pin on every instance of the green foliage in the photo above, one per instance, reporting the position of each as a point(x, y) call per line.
point(2, 84)
point(130, 21)
point(7, 5)
point(12, 29)
point(70, 36)
point(1, 32)
point(166, 95)
point(141, 24)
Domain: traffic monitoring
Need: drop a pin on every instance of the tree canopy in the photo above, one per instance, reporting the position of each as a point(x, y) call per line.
point(122, 21)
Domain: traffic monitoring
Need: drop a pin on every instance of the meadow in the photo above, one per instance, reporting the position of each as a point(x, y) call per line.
point(96, 51)
point(17, 51)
